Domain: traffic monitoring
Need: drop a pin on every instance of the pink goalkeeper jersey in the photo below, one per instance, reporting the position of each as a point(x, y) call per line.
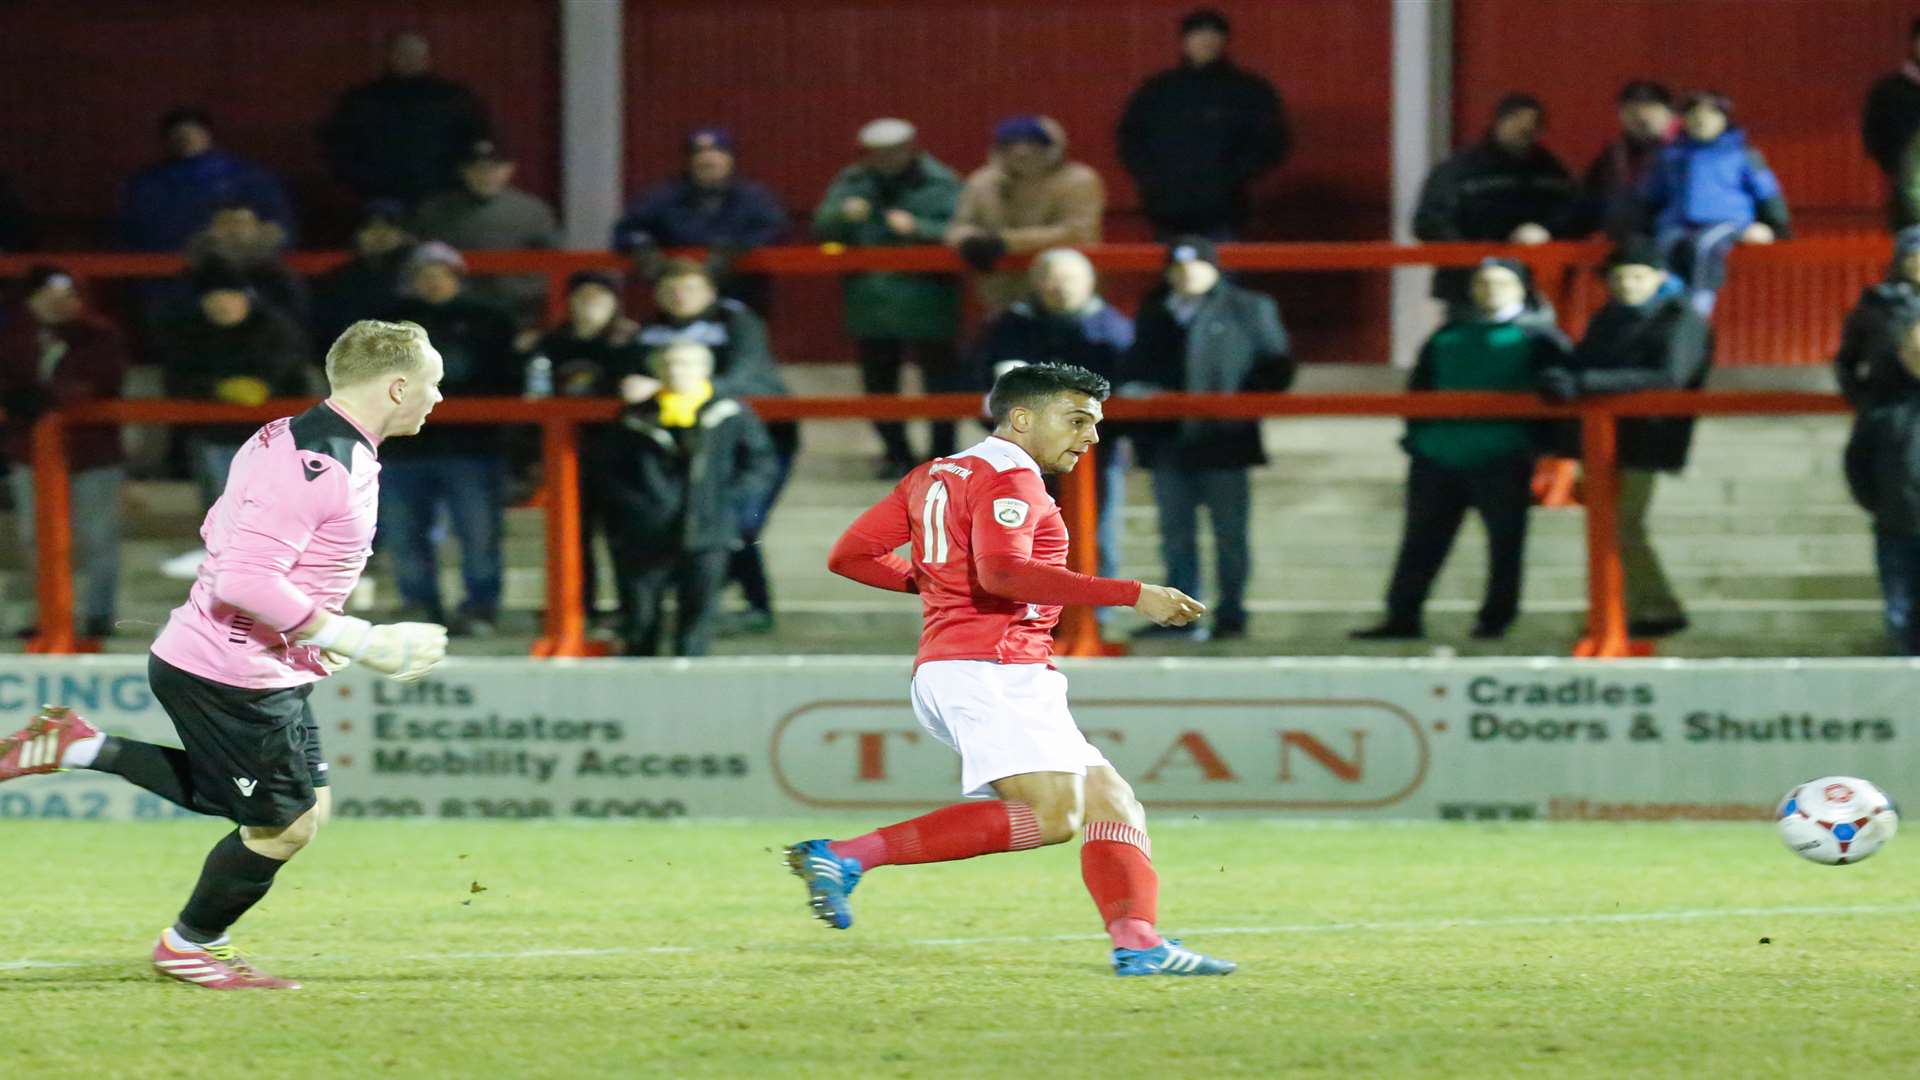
point(289, 536)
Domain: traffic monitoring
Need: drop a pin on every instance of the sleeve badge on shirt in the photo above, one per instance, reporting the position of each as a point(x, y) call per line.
point(1010, 512)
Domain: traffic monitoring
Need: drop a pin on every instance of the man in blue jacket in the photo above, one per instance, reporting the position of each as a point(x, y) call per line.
point(1709, 192)
point(707, 206)
point(165, 204)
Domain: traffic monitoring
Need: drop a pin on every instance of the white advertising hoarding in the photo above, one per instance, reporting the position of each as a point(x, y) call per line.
point(1546, 739)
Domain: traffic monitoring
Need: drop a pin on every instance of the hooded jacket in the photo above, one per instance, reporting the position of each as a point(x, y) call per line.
point(1660, 345)
point(165, 204)
point(1868, 365)
point(1724, 181)
point(667, 490)
point(1193, 138)
point(1882, 463)
point(743, 361)
point(1061, 204)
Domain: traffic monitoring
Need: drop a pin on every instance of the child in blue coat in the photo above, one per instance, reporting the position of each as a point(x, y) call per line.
point(1709, 191)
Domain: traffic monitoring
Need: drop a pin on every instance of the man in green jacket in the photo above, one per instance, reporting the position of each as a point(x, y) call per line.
point(900, 195)
point(1483, 465)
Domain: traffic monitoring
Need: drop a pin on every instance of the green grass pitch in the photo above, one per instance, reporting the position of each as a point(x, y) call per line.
point(502, 950)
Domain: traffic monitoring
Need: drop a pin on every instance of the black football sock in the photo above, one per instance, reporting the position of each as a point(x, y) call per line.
point(233, 880)
point(160, 769)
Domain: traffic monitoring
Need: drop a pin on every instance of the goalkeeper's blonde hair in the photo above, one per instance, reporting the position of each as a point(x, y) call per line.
point(370, 349)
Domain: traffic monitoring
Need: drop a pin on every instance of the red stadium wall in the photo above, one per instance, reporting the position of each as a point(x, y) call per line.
point(794, 79)
point(86, 84)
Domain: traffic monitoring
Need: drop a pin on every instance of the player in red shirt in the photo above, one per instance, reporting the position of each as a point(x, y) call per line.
point(988, 553)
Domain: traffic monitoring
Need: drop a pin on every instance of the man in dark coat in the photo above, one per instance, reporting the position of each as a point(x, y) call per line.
point(707, 206)
point(1868, 365)
point(1883, 472)
point(1890, 120)
point(1482, 465)
point(1506, 188)
point(1610, 191)
point(400, 136)
point(56, 353)
point(1646, 338)
point(459, 466)
point(1195, 136)
point(368, 284)
point(1198, 333)
point(1066, 322)
point(692, 310)
point(675, 466)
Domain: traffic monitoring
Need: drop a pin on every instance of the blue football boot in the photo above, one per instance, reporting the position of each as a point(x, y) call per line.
point(1168, 958)
point(830, 880)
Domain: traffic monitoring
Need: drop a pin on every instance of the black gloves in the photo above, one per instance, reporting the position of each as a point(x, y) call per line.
point(982, 252)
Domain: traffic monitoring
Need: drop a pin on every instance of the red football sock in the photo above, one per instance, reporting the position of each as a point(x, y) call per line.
point(1116, 861)
point(960, 831)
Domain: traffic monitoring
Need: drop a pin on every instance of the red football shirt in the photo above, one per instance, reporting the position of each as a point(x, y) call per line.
point(987, 554)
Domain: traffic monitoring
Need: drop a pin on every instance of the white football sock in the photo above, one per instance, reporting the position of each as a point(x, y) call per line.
point(80, 754)
point(180, 944)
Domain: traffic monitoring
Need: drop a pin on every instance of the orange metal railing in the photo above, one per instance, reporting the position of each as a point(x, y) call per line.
point(560, 420)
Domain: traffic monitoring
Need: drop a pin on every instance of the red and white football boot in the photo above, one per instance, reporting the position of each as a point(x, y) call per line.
point(36, 748)
point(215, 967)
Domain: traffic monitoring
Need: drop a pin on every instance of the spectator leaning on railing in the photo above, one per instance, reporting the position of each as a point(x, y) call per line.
point(1064, 321)
point(707, 206)
point(1710, 191)
point(1889, 123)
point(585, 355)
point(1195, 136)
point(676, 465)
point(1647, 337)
point(56, 353)
point(1481, 465)
point(369, 283)
point(400, 136)
point(230, 347)
point(164, 205)
point(1027, 197)
point(1868, 365)
point(1199, 333)
point(485, 212)
point(1504, 188)
point(459, 466)
point(1883, 472)
point(691, 310)
point(1610, 191)
point(897, 194)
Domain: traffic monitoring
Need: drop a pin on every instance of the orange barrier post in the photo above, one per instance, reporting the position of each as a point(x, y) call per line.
point(1079, 631)
point(566, 615)
point(1606, 608)
point(53, 538)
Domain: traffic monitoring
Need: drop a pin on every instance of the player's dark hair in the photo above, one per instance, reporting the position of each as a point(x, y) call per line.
point(1032, 385)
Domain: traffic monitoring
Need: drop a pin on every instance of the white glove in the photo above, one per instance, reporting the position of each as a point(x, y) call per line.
point(401, 651)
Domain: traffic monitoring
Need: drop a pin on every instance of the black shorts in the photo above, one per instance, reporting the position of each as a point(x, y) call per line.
point(254, 754)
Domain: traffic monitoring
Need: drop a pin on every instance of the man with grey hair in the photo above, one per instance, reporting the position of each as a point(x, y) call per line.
point(1064, 321)
point(897, 194)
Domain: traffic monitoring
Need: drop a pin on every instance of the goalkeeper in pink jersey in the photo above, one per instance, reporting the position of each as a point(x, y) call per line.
point(236, 663)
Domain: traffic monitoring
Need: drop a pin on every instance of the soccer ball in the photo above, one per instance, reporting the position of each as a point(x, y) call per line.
point(1836, 820)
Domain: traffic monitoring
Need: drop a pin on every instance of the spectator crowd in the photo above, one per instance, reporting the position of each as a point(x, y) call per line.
point(680, 486)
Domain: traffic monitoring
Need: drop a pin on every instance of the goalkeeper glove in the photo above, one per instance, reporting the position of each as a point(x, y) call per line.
point(402, 651)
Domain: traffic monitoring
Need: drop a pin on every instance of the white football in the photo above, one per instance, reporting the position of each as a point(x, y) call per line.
point(1836, 820)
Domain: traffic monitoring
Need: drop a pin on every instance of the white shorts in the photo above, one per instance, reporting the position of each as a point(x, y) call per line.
point(1004, 719)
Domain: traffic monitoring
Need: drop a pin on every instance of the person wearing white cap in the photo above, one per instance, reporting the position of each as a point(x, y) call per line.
point(897, 194)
